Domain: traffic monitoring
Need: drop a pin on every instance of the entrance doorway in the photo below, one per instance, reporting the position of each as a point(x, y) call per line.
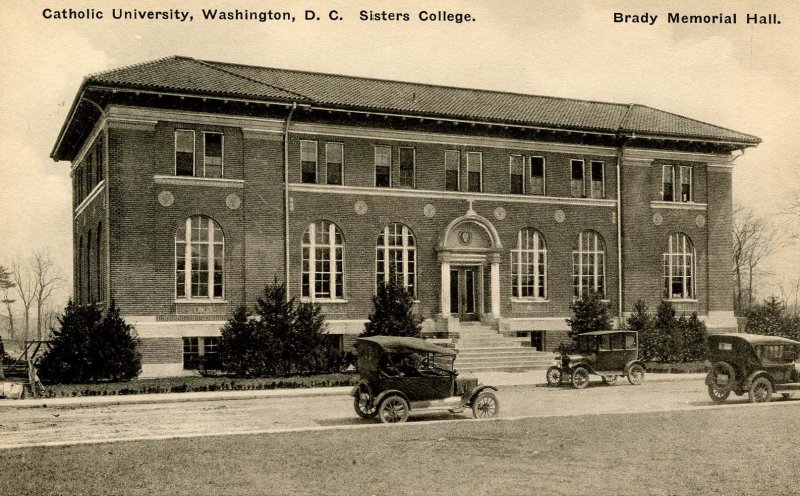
point(464, 292)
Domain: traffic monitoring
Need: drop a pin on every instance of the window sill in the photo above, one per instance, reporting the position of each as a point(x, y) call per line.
point(199, 181)
point(326, 301)
point(201, 300)
point(678, 205)
point(529, 300)
point(681, 300)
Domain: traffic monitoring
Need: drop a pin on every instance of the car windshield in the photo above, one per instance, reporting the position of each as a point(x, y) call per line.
point(414, 363)
point(586, 344)
point(776, 353)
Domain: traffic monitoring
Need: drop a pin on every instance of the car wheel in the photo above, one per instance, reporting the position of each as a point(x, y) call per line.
point(636, 374)
point(761, 390)
point(393, 409)
point(718, 395)
point(610, 379)
point(363, 405)
point(580, 377)
point(722, 376)
point(485, 405)
point(554, 376)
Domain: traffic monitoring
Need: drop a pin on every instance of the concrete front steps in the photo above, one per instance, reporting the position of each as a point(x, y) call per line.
point(481, 348)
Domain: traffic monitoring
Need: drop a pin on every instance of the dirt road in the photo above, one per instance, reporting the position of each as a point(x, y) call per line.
point(71, 425)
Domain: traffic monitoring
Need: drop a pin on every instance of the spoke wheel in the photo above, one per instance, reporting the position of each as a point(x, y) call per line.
point(554, 376)
point(761, 390)
point(580, 377)
point(610, 379)
point(393, 409)
point(362, 404)
point(718, 395)
point(636, 374)
point(485, 405)
point(722, 376)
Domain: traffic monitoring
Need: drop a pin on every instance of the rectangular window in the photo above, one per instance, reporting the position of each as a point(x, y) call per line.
point(383, 166)
point(212, 155)
point(334, 161)
point(452, 175)
point(577, 183)
point(407, 167)
point(517, 170)
point(598, 180)
point(308, 161)
point(211, 353)
point(537, 176)
point(677, 183)
point(184, 152)
point(100, 157)
point(191, 353)
point(474, 171)
point(686, 183)
point(668, 181)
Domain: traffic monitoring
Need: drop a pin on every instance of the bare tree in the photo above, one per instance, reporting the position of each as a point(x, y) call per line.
point(754, 239)
point(793, 212)
point(25, 288)
point(46, 277)
point(6, 284)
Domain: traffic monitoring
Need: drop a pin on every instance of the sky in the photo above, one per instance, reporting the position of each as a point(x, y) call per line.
point(740, 76)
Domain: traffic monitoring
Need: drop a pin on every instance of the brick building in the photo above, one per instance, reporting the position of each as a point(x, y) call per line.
point(195, 182)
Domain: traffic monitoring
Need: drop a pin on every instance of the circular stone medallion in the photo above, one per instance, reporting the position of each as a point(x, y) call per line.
point(560, 216)
point(499, 213)
point(361, 207)
point(165, 198)
point(464, 237)
point(233, 201)
point(429, 210)
point(700, 221)
point(658, 219)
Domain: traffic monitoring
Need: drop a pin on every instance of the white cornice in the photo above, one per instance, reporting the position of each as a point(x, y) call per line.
point(449, 195)
point(91, 196)
point(639, 154)
point(131, 114)
point(98, 128)
point(199, 181)
point(678, 205)
point(449, 139)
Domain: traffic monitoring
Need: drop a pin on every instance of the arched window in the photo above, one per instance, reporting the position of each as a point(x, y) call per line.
point(99, 264)
point(395, 255)
point(679, 268)
point(199, 259)
point(88, 268)
point(79, 274)
point(323, 261)
point(529, 265)
point(589, 265)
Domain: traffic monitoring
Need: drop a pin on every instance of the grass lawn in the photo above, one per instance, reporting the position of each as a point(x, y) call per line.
point(736, 450)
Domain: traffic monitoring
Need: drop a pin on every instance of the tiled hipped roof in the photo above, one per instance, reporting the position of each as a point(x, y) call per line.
point(198, 77)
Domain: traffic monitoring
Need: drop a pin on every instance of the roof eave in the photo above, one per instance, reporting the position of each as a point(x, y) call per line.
point(54, 153)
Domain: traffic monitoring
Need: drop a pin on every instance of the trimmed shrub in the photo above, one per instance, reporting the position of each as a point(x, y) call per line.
point(641, 321)
point(589, 313)
point(771, 318)
point(393, 312)
point(90, 347)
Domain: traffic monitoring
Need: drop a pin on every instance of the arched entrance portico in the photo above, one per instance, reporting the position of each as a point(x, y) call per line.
point(468, 252)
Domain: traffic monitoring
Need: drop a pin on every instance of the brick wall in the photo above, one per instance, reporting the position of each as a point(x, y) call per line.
point(161, 350)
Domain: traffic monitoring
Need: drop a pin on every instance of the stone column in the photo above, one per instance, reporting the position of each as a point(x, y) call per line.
point(495, 277)
point(445, 297)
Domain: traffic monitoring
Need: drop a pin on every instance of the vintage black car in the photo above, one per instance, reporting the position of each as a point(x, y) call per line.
point(400, 374)
point(752, 363)
point(608, 354)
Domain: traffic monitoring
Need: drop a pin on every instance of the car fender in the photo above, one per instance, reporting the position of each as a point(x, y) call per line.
point(755, 375)
point(361, 384)
point(478, 390)
point(581, 363)
point(390, 392)
point(632, 363)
